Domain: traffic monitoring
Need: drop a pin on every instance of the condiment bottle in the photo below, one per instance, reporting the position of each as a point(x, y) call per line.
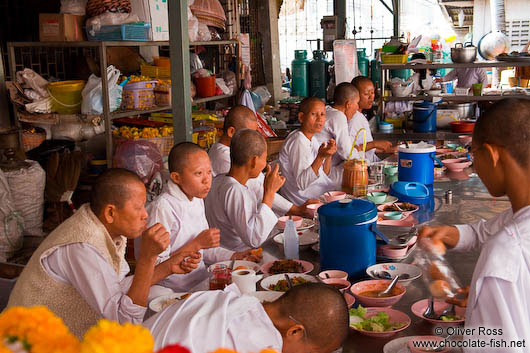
point(290, 241)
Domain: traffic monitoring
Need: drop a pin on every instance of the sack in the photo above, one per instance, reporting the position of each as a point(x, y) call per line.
point(74, 7)
point(92, 100)
point(139, 156)
point(11, 222)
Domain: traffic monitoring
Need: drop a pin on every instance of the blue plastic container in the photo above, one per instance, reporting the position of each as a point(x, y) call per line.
point(424, 117)
point(416, 163)
point(138, 31)
point(411, 192)
point(348, 236)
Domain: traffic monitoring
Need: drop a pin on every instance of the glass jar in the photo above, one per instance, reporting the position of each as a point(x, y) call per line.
point(355, 178)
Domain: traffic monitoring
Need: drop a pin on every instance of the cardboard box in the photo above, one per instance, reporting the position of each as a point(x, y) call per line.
point(55, 27)
point(154, 12)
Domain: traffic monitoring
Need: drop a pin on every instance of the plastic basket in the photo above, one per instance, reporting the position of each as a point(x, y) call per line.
point(164, 144)
point(131, 31)
point(155, 71)
point(394, 58)
point(138, 95)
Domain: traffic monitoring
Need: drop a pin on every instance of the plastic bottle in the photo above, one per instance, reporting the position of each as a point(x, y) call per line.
point(290, 241)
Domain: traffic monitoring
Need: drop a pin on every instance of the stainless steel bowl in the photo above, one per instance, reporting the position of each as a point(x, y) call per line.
point(465, 110)
point(461, 54)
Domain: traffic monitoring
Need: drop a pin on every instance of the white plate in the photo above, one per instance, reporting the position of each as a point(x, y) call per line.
point(306, 238)
point(396, 268)
point(266, 296)
point(249, 264)
point(267, 281)
point(158, 304)
point(306, 224)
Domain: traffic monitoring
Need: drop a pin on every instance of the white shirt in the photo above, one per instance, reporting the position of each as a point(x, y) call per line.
point(467, 76)
point(336, 127)
point(244, 220)
point(498, 296)
point(301, 182)
point(82, 266)
point(184, 220)
point(357, 123)
point(209, 320)
point(220, 158)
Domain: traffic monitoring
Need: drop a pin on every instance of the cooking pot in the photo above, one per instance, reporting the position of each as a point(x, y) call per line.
point(465, 110)
point(463, 54)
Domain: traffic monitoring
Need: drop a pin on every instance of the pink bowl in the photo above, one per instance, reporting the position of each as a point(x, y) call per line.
point(465, 139)
point(350, 300)
point(338, 281)
point(334, 196)
point(283, 220)
point(414, 348)
point(376, 284)
point(419, 307)
point(312, 208)
point(393, 251)
point(307, 266)
point(456, 164)
point(393, 315)
point(334, 274)
point(408, 222)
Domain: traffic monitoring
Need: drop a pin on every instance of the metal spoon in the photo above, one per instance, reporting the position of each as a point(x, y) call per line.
point(289, 282)
point(382, 274)
point(429, 312)
point(450, 311)
point(392, 284)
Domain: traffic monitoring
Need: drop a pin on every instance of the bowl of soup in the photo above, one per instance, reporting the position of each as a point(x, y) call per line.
point(366, 293)
point(338, 283)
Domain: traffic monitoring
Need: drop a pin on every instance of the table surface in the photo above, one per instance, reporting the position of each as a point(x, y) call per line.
point(471, 202)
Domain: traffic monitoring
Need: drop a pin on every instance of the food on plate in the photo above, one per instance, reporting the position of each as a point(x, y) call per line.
point(375, 293)
point(170, 301)
point(256, 252)
point(440, 289)
point(241, 268)
point(286, 266)
point(435, 273)
point(451, 318)
point(377, 323)
point(405, 206)
point(283, 286)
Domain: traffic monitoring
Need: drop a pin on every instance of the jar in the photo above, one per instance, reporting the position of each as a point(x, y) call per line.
point(355, 178)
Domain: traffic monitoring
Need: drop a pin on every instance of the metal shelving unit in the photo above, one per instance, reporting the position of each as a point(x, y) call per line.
point(101, 53)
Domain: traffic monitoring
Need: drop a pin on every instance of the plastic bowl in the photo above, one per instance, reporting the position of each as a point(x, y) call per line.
point(334, 196)
point(390, 169)
point(465, 139)
point(462, 126)
point(376, 197)
point(380, 285)
point(413, 344)
point(312, 208)
point(396, 268)
point(394, 215)
point(333, 274)
point(282, 221)
point(456, 164)
point(344, 284)
point(393, 315)
point(393, 251)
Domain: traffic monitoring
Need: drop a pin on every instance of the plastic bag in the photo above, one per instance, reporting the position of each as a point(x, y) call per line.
point(92, 101)
point(11, 222)
point(94, 24)
point(246, 100)
point(74, 7)
point(30, 79)
point(263, 93)
point(193, 25)
point(203, 33)
point(230, 80)
point(140, 157)
point(27, 189)
point(195, 63)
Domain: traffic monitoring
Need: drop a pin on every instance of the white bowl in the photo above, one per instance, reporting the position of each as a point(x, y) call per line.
point(266, 296)
point(267, 281)
point(249, 264)
point(396, 268)
point(159, 304)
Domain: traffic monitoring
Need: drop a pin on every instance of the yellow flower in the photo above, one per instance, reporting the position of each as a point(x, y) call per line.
point(111, 337)
point(38, 329)
point(3, 349)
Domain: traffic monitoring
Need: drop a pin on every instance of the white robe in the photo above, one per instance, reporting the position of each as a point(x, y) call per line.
point(301, 182)
point(82, 266)
point(498, 296)
point(220, 158)
point(184, 220)
point(210, 320)
point(355, 124)
point(244, 220)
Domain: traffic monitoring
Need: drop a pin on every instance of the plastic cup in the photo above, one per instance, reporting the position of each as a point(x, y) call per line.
point(477, 89)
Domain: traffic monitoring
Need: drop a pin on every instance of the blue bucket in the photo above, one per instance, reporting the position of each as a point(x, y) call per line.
point(348, 236)
point(416, 163)
point(424, 117)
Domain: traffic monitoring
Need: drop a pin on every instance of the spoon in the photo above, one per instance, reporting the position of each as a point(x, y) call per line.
point(392, 284)
point(289, 283)
point(450, 311)
point(382, 274)
point(429, 312)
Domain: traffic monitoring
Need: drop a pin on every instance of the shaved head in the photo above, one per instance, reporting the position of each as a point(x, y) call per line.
point(246, 144)
point(506, 123)
point(178, 157)
point(307, 104)
point(112, 187)
point(238, 117)
point(359, 81)
point(343, 92)
point(321, 309)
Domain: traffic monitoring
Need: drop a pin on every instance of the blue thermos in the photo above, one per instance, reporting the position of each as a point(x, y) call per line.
point(348, 236)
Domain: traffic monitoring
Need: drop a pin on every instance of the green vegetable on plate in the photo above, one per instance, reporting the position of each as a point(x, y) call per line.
point(377, 323)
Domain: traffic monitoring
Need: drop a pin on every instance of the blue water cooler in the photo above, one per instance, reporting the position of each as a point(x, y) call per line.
point(348, 236)
point(416, 163)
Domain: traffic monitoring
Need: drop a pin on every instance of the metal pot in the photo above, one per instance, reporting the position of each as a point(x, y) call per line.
point(465, 110)
point(461, 54)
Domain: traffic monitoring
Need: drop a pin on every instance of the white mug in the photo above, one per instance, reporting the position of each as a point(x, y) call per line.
point(246, 279)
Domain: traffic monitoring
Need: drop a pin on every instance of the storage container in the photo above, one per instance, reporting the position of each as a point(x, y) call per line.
point(138, 95)
point(66, 96)
point(416, 163)
point(424, 117)
point(131, 31)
